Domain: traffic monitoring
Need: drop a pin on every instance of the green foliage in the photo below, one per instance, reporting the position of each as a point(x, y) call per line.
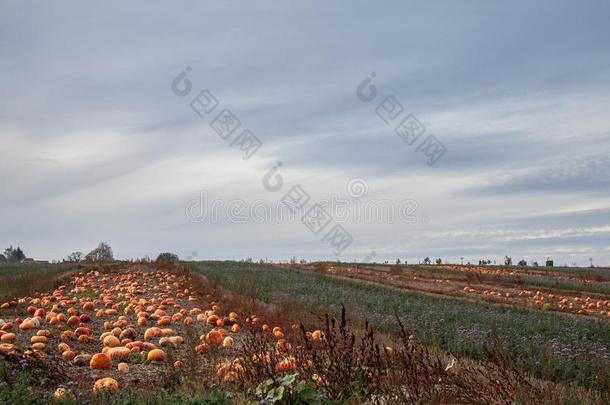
point(288, 391)
point(14, 255)
point(508, 261)
point(549, 263)
point(137, 358)
point(522, 263)
point(168, 257)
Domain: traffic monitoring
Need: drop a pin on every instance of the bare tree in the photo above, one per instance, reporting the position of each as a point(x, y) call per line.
point(102, 253)
point(75, 257)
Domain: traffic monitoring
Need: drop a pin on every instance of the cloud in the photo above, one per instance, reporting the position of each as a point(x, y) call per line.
point(95, 146)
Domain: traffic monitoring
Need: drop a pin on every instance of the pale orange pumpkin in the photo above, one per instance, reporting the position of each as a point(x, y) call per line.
point(227, 343)
point(106, 384)
point(155, 355)
point(111, 341)
point(38, 346)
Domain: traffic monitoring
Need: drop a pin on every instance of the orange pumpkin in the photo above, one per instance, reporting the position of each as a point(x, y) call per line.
point(214, 337)
point(8, 338)
point(100, 361)
point(68, 355)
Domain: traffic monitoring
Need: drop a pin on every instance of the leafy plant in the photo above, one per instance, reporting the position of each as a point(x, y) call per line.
point(287, 390)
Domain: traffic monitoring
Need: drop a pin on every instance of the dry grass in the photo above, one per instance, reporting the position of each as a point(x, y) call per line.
point(351, 365)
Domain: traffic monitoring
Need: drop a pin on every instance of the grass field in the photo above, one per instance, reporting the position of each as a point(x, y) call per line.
point(30, 278)
point(559, 357)
point(551, 346)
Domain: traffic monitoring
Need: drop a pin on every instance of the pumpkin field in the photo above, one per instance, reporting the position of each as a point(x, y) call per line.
point(237, 332)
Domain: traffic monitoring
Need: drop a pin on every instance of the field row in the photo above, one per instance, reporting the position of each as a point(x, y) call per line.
point(550, 346)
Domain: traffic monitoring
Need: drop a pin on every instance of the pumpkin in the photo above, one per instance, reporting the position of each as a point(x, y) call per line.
point(212, 319)
point(155, 355)
point(118, 353)
point(178, 364)
point(227, 342)
point(8, 338)
point(100, 361)
point(286, 365)
point(38, 339)
point(84, 338)
point(68, 355)
point(123, 368)
point(82, 360)
point(62, 394)
point(26, 325)
point(317, 335)
point(111, 341)
point(164, 321)
point(6, 347)
point(235, 328)
point(151, 333)
point(214, 337)
point(43, 332)
point(106, 384)
point(38, 346)
point(73, 320)
point(278, 334)
point(62, 347)
point(202, 348)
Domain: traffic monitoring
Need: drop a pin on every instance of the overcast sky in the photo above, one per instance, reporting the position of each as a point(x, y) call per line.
point(97, 146)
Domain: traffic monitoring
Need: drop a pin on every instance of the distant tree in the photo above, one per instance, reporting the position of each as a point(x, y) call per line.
point(439, 261)
point(75, 257)
point(167, 257)
point(102, 253)
point(549, 263)
point(535, 264)
point(508, 261)
point(2, 258)
point(293, 260)
point(398, 261)
point(522, 263)
point(427, 260)
point(14, 255)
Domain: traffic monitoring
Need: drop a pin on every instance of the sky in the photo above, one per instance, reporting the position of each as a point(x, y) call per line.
point(113, 128)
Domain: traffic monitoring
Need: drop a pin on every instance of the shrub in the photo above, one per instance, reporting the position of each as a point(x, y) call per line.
point(168, 258)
